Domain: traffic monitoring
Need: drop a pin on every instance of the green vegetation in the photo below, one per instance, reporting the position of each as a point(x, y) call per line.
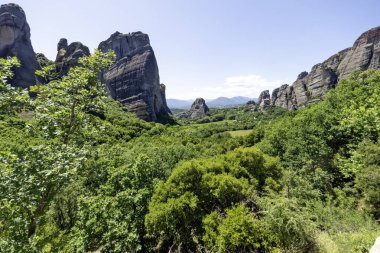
point(204, 189)
point(79, 173)
point(240, 133)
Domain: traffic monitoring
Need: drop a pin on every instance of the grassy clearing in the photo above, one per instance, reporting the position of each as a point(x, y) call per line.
point(240, 133)
point(27, 114)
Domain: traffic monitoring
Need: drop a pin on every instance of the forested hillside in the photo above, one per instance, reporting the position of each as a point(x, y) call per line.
point(79, 173)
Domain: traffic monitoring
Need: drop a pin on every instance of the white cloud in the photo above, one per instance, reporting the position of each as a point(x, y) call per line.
point(248, 86)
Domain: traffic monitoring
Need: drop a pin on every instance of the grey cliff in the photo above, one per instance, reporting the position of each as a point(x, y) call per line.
point(134, 78)
point(198, 110)
point(312, 87)
point(264, 99)
point(15, 41)
point(68, 55)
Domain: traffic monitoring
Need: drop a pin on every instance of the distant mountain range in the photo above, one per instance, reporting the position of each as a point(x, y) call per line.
point(212, 103)
point(227, 102)
point(178, 103)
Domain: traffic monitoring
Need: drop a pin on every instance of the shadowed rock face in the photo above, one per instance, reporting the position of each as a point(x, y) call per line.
point(311, 87)
point(134, 79)
point(42, 60)
point(15, 41)
point(250, 103)
point(282, 97)
point(68, 55)
point(264, 99)
point(198, 110)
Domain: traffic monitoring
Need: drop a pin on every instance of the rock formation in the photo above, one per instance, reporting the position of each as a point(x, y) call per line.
point(198, 110)
point(364, 54)
point(68, 55)
point(311, 87)
point(264, 99)
point(250, 103)
point(42, 60)
point(15, 41)
point(282, 97)
point(134, 79)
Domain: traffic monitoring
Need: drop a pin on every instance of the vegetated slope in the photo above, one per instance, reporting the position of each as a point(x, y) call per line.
point(120, 184)
point(325, 201)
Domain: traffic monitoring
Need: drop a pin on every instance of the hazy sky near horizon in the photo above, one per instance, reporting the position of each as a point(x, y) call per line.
point(211, 48)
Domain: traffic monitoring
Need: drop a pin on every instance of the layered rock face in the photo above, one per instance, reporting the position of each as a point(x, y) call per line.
point(282, 97)
point(134, 78)
point(68, 55)
point(198, 110)
point(364, 54)
point(264, 99)
point(15, 41)
point(311, 87)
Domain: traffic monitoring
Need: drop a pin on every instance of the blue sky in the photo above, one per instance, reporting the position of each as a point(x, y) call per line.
point(211, 48)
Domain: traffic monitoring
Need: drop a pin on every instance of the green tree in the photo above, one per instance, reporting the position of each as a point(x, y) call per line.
point(30, 180)
point(199, 187)
point(63, 106)
point(114, 218)
point(290, 223)
point(239, 231)
point(365, 161)
point(358, 98)
point(11, 99)
point(33, 175)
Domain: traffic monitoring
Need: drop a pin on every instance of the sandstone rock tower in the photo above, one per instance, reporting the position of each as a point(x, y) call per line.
point(134, 79)
point(198, 110)
point(311, 87)
point(15, 41)
point(68, 55)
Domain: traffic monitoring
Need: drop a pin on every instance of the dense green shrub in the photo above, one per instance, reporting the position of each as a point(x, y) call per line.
point(239, 231)
point(199, 187)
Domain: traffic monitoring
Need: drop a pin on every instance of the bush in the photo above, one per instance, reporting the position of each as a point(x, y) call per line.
point(199, 187)
point(292, 225)
point(239, 230)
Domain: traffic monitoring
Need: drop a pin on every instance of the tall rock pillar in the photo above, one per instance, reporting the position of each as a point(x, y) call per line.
point(134, 79)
